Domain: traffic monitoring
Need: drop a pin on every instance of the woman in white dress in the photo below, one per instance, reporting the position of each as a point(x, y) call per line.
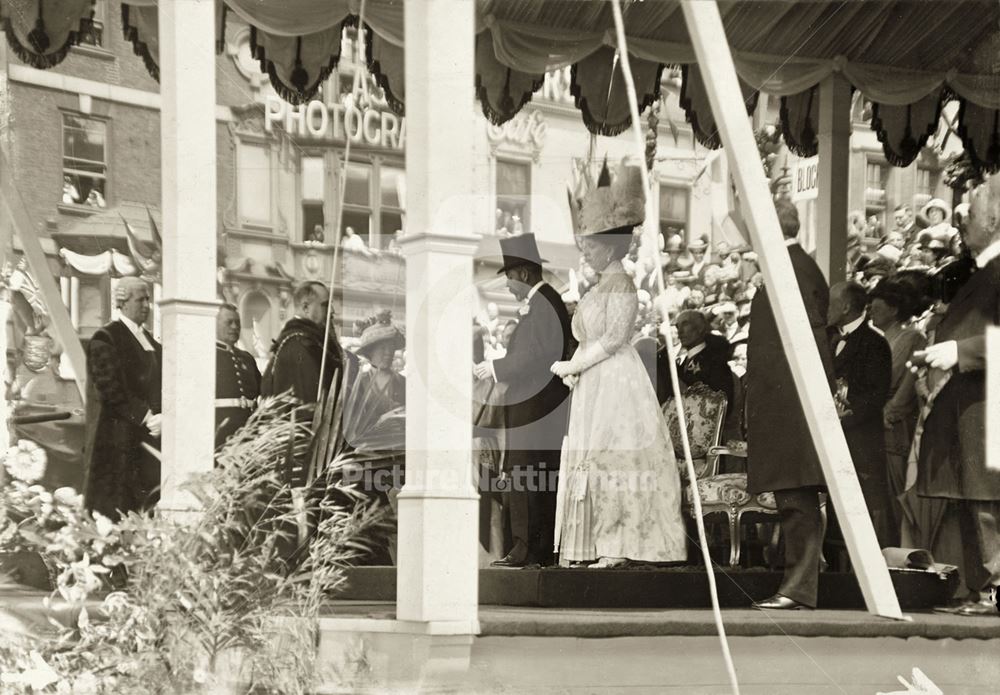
point(619, 485)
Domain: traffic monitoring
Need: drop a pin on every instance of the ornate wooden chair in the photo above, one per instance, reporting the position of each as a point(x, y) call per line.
point(721, 493)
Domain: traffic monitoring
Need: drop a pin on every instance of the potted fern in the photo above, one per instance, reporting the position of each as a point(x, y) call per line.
point(212, 603)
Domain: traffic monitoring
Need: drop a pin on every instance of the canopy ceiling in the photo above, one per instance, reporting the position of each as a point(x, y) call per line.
point(906, 56)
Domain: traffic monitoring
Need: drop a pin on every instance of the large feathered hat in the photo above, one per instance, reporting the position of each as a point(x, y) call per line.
point(377, 329)
point(616, 202)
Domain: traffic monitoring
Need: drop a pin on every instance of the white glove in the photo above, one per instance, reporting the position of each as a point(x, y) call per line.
point(153, 423)
point(943, 356)
point(584, 359)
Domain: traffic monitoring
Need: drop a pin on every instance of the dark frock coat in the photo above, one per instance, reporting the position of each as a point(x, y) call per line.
point(296, 360)
point(952, 456)
point(780, 450)
point(123, 384)
point(865, 364)
point(536, 401)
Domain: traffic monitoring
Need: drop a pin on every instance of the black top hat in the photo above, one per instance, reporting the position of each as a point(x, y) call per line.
point(519, 250)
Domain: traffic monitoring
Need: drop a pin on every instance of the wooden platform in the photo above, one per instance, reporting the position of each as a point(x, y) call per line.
point(650, 587)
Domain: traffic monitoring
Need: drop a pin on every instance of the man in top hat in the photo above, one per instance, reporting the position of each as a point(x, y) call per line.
point(950, 444)
point(237, 379)
point(535, 405)
point(123, 408)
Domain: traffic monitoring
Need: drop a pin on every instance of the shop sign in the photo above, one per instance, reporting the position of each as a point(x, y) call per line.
point(805, 173)
point(525, 132)
point(336, 121)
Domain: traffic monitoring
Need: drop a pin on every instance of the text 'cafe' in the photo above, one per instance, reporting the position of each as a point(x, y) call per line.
point(331, 121)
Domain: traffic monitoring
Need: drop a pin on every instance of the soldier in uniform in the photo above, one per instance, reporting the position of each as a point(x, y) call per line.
point(237, 379)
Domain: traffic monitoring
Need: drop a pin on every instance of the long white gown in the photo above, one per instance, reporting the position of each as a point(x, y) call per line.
point(619, 485)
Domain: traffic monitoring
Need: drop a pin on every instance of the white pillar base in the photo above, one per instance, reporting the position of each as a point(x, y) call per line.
point(431, 585)
point(188, 434)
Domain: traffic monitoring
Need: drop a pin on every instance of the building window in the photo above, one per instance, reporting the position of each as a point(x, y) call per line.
point(875, 199)
point(926, 182)
point(374, 200)
point(392, 194)
point(85, 168)
point(513, 211)
point(313, 186)
point(93, 34)
point(254, 184)
point(673, 210)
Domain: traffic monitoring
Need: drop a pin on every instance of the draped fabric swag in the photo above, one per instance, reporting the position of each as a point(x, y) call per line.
point(907, 57)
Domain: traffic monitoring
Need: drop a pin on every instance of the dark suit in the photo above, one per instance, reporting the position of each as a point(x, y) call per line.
point(951, 459)
point(296, 359)
point(236, 378)
point(710, 366)
point(781, 456)
point(123, 384)
point(535, 413)
point(865, 365)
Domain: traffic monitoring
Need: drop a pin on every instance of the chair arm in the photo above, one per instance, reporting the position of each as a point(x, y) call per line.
point(733, 448)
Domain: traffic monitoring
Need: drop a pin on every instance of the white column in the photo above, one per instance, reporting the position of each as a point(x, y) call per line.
point(834, 178)
point(189, 305)
point(437, 575)
point(716, 61)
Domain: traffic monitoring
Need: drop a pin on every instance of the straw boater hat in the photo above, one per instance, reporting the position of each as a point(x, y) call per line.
point(613, 205)
point(378, 329)
point(699, 244)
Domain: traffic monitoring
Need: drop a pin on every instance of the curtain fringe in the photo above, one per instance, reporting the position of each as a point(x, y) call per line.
point(498, 116)
point(599, 127)
point(710, 140)
point(44, 61)
point(809, 146)
point(381, 79)
point(290, 93)
point(139, 47)
point(909, 148)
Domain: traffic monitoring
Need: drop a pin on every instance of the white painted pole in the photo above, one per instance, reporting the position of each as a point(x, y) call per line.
point(437, 578)
point(715, 59)
point(189, 304)
point(834, 175)
point(993, 397)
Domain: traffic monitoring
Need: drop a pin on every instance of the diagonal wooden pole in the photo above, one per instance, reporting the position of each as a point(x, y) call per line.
point(716, 62)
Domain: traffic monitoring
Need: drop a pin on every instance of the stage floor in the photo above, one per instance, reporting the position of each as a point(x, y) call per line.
point(508, 621)
point(655, 587)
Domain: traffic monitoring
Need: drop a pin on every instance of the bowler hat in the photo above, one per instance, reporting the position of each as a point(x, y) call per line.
point(519, 250)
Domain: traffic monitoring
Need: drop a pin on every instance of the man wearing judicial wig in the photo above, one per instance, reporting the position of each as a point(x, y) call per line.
point(123, 408)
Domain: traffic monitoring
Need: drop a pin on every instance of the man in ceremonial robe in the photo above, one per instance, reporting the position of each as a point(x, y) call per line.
point(121, 445)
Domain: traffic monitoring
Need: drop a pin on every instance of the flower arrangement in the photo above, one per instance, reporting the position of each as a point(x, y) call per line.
point(224, 598)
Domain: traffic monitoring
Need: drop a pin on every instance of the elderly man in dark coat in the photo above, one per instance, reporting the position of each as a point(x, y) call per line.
point(862, 365)
point(237, 379)
point(297, 354)
point(535, 408)
point(950, 444)
point(703, 358)
point(781, 457)
point(123, 408)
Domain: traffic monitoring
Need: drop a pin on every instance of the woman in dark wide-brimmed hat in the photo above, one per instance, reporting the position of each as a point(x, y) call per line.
point(382, 388)
point(619, 486)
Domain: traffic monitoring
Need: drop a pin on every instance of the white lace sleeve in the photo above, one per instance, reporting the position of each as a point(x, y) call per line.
point(622, 306)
